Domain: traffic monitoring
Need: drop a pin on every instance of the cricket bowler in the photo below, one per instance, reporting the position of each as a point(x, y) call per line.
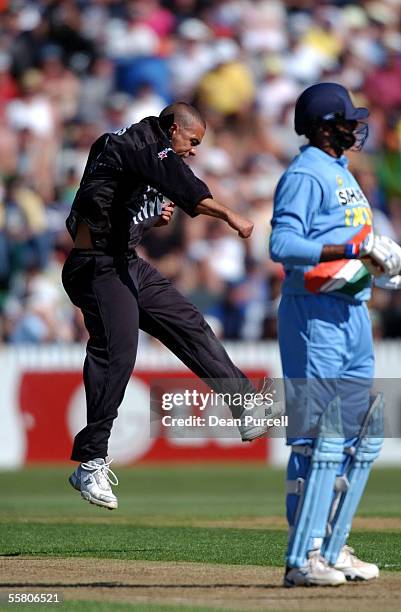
point(120, 197)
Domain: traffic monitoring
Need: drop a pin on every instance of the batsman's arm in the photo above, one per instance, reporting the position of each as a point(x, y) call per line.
point(303, 252)
point(331, 252)
point(294, 249)
point(211, 208)
point(298, 197)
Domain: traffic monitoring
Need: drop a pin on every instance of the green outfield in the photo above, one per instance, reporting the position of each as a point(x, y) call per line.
point(169, 518)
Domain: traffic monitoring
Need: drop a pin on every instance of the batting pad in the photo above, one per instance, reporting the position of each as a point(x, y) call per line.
point(316, 491)
point(361, 458)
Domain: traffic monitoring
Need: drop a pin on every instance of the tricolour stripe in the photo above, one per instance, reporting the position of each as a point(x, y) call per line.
point(334, 275)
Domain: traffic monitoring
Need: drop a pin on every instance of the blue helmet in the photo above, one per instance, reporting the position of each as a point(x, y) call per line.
point(325, 102)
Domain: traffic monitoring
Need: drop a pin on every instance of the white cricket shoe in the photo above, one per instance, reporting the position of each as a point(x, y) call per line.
point(93, 480)
point(353, 568)
point(254, 421)
point(315, 572)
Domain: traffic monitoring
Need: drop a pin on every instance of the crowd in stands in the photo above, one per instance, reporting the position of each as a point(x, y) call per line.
point(73, 69)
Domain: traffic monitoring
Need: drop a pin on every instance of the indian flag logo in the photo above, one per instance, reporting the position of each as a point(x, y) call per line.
point(345, 275)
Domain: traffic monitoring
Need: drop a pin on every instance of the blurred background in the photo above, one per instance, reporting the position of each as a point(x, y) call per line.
point(71, 69)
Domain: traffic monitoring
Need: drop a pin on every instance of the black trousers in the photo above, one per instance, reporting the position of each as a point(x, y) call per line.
point(117, 296)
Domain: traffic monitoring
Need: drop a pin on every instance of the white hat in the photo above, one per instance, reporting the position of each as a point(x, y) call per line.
point(194, 29)
point(355, 16)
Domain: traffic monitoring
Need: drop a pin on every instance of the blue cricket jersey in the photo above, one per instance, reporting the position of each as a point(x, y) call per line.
point(317, 202)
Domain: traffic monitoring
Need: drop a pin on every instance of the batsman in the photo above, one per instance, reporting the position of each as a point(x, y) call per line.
point(322, 232)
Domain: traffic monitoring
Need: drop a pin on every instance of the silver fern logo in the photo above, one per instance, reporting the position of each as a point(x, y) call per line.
point(164, 153)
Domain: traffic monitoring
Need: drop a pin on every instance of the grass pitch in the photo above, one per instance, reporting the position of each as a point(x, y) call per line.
point(170, 518)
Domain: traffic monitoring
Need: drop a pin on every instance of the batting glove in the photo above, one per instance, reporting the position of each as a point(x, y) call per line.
point(381, 255)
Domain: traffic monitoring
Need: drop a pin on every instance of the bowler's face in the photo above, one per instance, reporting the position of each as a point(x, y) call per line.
point(184, 140)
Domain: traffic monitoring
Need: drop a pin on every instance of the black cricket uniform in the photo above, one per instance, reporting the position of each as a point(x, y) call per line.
point(119, 198)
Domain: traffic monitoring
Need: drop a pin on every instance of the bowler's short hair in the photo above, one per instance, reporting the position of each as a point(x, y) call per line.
point(181, 113)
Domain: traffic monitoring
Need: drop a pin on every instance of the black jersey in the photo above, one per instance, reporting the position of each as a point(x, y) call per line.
point(122, 188)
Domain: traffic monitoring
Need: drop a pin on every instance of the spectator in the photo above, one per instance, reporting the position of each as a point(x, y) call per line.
point(227, 89)
point(71, 70)
point(33, 109)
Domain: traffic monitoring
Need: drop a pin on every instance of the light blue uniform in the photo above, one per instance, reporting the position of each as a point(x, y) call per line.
point(324, 327)
point(317, 202)
point(323, 323)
